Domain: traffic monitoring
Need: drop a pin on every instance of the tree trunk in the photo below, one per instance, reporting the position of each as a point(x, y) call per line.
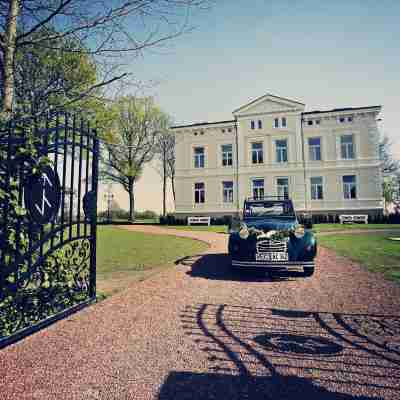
point(164, 184)
point(131, 203)
point(173, 186)
point(9, 54)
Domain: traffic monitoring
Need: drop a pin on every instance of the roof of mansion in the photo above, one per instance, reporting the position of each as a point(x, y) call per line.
point(203, 124)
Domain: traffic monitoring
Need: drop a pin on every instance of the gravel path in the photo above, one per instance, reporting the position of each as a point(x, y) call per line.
point(199, 331)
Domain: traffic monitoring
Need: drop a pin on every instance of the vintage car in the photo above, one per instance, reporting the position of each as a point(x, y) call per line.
point(270, 237)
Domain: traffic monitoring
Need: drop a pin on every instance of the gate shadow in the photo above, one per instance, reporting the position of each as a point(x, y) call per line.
point(218, 267)
point(266, 353)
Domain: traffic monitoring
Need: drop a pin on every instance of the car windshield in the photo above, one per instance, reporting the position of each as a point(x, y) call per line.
point(269, 208)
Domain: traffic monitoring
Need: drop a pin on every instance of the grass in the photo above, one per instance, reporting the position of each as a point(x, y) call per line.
point(375, 251)
point(316, 228)
point(211, 228)
point(124, 256)
point(343, 227)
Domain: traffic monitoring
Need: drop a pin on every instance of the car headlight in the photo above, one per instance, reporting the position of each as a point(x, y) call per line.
point(244, 232)
point(299, 232)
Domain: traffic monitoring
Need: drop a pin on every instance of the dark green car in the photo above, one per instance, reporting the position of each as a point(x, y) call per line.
point(270, 237)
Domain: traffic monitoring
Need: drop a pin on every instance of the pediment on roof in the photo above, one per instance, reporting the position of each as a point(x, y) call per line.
point(269, 104)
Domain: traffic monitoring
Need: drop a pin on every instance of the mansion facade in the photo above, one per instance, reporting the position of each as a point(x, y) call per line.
point(327, 162)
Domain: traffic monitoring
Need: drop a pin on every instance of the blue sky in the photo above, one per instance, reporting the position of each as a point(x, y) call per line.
point(325, 54)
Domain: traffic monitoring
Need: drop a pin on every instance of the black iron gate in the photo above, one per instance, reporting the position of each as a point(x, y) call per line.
point(48, 195)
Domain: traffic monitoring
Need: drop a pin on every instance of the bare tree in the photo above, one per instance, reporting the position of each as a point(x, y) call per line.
point(390, 165)
point(131, 143)
point(105, 29)
point(166, 155)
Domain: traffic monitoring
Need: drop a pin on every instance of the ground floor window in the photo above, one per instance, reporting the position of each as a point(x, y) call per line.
point(317, 191)
point(282, 185)
point(349, 187)
point(227, 191)
point(199, 193)
point(258, 188)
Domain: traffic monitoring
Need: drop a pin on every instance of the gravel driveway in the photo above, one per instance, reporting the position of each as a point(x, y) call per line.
point(199, 331)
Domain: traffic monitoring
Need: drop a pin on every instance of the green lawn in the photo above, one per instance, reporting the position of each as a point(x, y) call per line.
point(375, 251)
point(123, 256)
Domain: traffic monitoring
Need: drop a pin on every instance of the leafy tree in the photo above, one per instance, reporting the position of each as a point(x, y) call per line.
point(131, 142)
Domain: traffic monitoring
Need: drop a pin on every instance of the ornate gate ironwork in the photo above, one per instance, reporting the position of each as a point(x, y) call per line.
point(48, 196)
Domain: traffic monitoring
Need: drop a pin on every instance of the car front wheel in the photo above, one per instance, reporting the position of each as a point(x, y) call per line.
point(308, 271)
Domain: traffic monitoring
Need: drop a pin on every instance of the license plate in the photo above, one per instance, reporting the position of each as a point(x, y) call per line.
point(272, 257)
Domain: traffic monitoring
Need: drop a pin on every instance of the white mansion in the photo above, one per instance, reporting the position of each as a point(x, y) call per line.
point(326, 161)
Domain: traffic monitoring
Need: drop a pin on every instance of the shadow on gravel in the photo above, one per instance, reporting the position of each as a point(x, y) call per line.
point(266, 353)
point(218, 267)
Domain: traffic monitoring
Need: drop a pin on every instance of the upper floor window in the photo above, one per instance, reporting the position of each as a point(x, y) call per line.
point(347, 147)
point(257, 156)
point(317, 192)
point(252, 124)
point(282, 186)
point(227, 191)
point(342, 120)
point(259, 124)
point(310, 122)
point(199, 157)
point(258, 189)
point(317, 122)
point(276, 123)
point(281, 150)
point(226, 155)
point(350, 118)
point(349, 187)
point(199, 193)
point(314, 146)
point(284, 122)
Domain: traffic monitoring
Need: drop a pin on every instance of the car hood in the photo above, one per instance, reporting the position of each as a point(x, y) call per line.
point(270, 224)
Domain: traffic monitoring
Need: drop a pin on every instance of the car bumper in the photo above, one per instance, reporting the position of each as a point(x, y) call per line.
point(273, 265)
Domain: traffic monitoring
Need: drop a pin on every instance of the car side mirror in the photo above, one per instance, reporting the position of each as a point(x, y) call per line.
point(234, 224)
point(308, 224)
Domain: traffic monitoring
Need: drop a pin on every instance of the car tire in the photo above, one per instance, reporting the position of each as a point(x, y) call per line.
point(308, 271)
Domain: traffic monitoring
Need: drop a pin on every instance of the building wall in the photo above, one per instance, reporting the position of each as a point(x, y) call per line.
point(331, 168)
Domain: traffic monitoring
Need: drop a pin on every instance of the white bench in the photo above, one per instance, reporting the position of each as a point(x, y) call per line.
point(199, 220)
point(353, 218)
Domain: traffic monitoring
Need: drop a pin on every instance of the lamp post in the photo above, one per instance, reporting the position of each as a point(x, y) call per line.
point(108, 196)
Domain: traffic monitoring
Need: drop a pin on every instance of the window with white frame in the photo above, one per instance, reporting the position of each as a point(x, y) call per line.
point(349, 187)
point(314, 148)
point(276, 123)
point(257, 156)
point(226, 155)
point(199, 157)
point(258, 189)
point(317, 189)
point(259, 124)
point(227, 191)
point(199, 193)
point(281, 150)
point(284, 122)
point(282, 187)
point(347, 147)
point(252, 124)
